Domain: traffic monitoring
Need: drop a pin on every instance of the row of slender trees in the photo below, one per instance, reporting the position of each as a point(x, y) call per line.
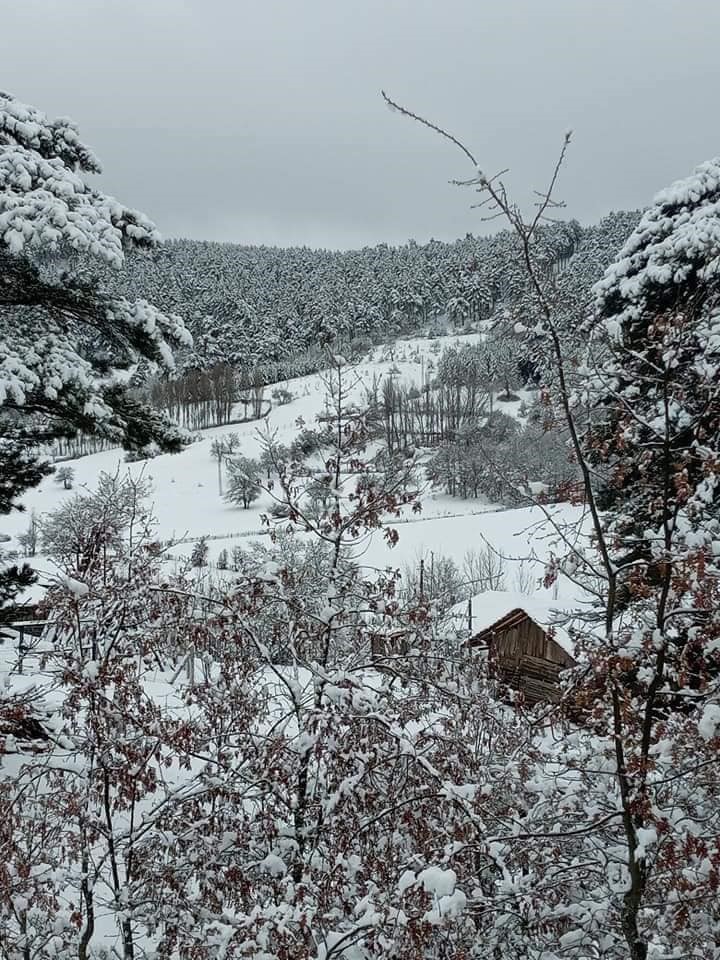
point(208, 398)
point(467, 384)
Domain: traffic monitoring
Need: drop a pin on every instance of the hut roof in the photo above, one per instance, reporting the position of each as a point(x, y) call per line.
point(500, 609)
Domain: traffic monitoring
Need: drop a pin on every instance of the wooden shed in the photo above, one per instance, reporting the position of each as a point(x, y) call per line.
point(388, 643)
point(21, 731)
point(527, 645)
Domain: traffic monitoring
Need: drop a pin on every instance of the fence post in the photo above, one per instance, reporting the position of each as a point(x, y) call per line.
point(22, 649)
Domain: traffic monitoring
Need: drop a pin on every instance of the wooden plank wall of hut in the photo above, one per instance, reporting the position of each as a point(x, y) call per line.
point(524, 639)
point(527, 659)
point(387, 645)
point(536, 677)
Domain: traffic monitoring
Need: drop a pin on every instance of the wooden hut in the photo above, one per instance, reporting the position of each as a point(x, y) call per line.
point(21, 731)
point(527, 644)
point(25, 617)
point(388, 642)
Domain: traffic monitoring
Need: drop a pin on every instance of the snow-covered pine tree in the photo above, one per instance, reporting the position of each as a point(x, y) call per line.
point(64, 341)
point(655, 358)
point(654, 440)
point(199, 555)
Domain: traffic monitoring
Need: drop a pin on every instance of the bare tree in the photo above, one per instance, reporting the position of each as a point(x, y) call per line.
point(221, 449)
point(484, 569)
point(243, 481)
point(28, 539)
point(652, 308)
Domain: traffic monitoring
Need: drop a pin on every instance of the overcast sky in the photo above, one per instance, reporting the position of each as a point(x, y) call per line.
point(260, 121)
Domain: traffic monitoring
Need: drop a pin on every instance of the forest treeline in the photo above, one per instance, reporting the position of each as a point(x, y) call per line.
point(255, 306)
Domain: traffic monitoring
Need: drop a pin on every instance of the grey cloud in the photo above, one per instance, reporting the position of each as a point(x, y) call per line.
point(262, 121)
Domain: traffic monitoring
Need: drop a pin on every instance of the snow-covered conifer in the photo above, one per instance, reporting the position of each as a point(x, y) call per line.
point(54, 317)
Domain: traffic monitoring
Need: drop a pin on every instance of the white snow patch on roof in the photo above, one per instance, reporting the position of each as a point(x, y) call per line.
point(491, 606)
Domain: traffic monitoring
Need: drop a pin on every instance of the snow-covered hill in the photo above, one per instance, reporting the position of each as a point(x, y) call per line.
point(187, 504)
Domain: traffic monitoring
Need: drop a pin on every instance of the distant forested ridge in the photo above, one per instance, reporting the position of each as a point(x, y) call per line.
point(250, 306)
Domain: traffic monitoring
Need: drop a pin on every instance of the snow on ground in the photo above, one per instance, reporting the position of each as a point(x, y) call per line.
point(187, 503)
point(186, 484)
point(523, 538)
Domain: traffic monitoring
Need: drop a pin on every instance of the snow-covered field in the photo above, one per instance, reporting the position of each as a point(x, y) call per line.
point(187, 504)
